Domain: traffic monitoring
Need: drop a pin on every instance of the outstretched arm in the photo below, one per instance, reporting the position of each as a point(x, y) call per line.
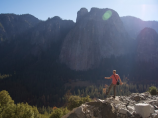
point(120, 81)
point(107, 77)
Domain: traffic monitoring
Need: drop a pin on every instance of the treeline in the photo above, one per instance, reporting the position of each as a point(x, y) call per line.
point(45, 93)
point(8, 109)
point(121, 90)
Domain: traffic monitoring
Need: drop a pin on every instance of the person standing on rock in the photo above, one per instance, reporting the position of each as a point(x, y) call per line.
point(115, 78)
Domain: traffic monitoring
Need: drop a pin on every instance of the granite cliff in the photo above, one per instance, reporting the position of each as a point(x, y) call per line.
point(12, 24)
point(97, 34)
point(147, 47)
point(41, 42)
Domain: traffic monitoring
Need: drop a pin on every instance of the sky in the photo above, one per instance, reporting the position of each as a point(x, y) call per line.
point(67, 9)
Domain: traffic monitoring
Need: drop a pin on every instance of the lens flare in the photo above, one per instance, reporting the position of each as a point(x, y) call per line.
point(107, 15)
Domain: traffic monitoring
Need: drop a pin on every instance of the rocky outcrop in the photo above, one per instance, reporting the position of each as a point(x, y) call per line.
point(93, 39)
point(81, 13)
point(15, 24)
point(134, 25)
point(120, 107)
point(93, 110)
point(147, 47)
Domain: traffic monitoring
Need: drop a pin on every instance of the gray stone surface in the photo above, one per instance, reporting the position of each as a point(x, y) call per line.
point(94, 39)
point(81, 13)
point(120, 107)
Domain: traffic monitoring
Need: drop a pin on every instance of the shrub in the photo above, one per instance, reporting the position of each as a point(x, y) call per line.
point(7, 105)
point(59, 112)
point(76, 101)
point(65, 111)
point(153, 90)
point(10, 110)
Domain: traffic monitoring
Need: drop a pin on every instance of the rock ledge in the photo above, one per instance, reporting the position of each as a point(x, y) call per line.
point(137, 105)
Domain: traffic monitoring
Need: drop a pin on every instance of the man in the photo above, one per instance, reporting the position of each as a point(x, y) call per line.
point(115, 78)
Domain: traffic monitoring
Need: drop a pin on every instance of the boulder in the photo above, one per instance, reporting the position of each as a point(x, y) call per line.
point(93, 110)
point(76, 113)
point(131, 108)
point(123, 111)
point(156, 111)
point(143, 109)
point(156, 107)
point(155, 115)
point(80, 112)
point(99, 100)
point(106, 109)
point(136, 98)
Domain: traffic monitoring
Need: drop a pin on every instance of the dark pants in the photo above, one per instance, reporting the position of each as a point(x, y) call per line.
point(114, 89)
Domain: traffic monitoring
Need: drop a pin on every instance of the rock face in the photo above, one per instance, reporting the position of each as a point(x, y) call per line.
point(93, 110)
point(2, 33)
point(134, 25)
point(147, 47)
point(93, 39)
point(11, 24)
point(120, 107)
point(51, 31)
point(81, 13)
point(43, 39)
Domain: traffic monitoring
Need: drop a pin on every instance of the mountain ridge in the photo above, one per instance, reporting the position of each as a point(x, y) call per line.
point(134, 25)
point(15, 24)
point(33, 43)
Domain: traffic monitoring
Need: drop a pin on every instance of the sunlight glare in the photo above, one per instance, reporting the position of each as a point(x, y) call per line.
point(107, 15)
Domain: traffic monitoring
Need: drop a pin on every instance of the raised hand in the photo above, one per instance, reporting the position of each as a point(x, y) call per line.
point(121, 83)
